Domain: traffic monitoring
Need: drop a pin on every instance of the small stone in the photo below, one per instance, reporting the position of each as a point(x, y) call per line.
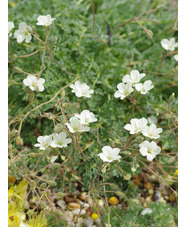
point(145, 205)
point(172, 197)
point(83, 196)
point(151, 191)
point(153, 178)
point(68, 216)
point(78, 201)
point(148, 185)
point(157, 196)
point(79, 211)
point(73, 206)
point(61, 204)
point(68, 199)
point(141, 199)
point(162, 200)
point(136, 182)
point(148, 199)
point(11, 179)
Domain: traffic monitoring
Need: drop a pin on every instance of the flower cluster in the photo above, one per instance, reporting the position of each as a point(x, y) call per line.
point(81, 90)
point(54, 140)
point(129, 82)
point(34, 83)
point(25, 32)
point(79, 122)
point(149, 149)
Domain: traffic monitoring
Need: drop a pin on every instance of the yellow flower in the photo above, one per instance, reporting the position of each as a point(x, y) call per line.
point(10, 193)
point(176, 171)
point(14, 217)
point(113, 200)
point(38, 221)
point(94, 216)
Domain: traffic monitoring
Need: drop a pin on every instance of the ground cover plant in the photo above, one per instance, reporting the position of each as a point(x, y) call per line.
point(92, 113)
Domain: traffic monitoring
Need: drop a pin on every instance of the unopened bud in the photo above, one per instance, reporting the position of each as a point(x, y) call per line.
point(150, 34)
point(19, 141)
point(43, 205)
point(52, 183)
point(18, 69)
point(63, 93)
point(56, 165)
point(43, 185)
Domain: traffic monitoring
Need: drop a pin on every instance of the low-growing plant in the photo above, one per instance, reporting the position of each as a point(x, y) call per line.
point(92, 113)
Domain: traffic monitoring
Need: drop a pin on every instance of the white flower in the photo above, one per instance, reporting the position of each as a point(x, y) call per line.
point(44, 142)
point(152, 131)
point(146, 211)
point(136, 125)
point(133, 78)
point(145, 87)
point(86, 117)
point(176, 57)
point(81, 90)
point(10, 27)
point(109, 154)
point(169, 44)
point(34, 83)
point(24, 33)
point(149, 149)
point(59, 140)
point(45, 20)
point(123, 90)
point(76, 126)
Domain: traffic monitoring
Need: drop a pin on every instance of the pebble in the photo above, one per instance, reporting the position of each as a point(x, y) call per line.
point(73, 206)
point(148, 185)
point(157, 196)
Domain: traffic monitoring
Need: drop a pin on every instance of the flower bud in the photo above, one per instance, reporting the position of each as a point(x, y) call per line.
point(19, 141)
point(43, 185)
point(63, 93)
point(18, 69)
point(52, 183)
point(56, 165)
point(61, 194)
